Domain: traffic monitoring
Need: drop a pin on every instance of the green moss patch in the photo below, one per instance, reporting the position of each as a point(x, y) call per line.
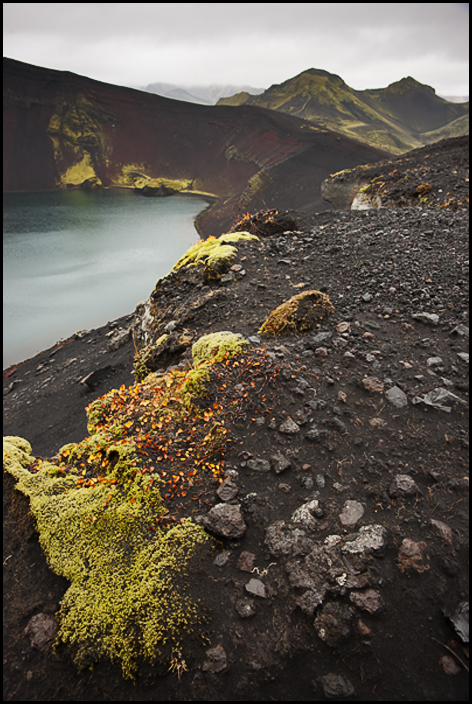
point(299, 314)
point(113, 512)
point(217, 345)
point(127, 598)
point(215, 254)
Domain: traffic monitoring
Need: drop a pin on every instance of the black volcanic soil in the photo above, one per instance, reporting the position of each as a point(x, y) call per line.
point(380, 268)
point(411, 179)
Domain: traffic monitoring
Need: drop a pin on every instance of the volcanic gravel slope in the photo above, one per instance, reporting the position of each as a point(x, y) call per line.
point(352, 595)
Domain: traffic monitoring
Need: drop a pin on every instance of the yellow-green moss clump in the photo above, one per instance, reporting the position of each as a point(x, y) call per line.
point(299, 314)
point(135, 176)
point(216, 345)
point(216, 255)
point(104, 512)
point(127, 595)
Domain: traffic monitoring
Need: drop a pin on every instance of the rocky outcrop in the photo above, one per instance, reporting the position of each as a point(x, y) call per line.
point(300, 313)
point(411, 180)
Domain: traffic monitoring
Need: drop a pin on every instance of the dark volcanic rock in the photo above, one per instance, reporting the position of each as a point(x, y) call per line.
point(225, 520)
point(410, 180)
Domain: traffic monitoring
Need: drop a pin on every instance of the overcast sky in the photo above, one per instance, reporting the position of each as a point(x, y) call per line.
point(368, 44)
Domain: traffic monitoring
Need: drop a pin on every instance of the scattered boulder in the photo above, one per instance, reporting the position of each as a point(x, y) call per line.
point(301, 416)
point(336, 686)
point(443, 530)
point(304, 513)
point(428, 318)
point(216, 660)
point(434, 361)
point(256, 588)
point(245, 608)
point(258, 464)
point(246, 561)
point(369, 539)
point(41, 629)
point(410, 556)
point(373, 384)
point(300, 313)
point(227, 490)
point(281, 538)
point(289, 427)
point(325, 570)
point(319, 339)
point(279, 462)
point(310, 600)
point(352, 513)
point(369, 601)
point(461, 330)
point(403, 485)
point(343, 327)
point(225, 520)
point(333, 623)
point(397, 397)
point(314, 434)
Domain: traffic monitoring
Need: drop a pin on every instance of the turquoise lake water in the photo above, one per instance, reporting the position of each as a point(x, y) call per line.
point(75, 260)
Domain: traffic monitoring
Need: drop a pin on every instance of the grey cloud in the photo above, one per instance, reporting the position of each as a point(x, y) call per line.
point(369, 45)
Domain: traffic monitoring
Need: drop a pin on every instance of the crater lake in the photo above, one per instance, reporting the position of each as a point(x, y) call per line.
point(76, 260)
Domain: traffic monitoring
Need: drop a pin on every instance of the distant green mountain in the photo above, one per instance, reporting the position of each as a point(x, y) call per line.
point(403, 116)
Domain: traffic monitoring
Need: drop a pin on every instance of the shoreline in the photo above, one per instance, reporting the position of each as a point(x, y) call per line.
point(209, 197)
point(7, 371)
point(57, 374)
point(211, 201)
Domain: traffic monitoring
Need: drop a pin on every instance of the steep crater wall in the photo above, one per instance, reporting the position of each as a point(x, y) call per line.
point(67, 131)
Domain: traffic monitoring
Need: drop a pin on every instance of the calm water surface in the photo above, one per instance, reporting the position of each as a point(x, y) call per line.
point(76, 260)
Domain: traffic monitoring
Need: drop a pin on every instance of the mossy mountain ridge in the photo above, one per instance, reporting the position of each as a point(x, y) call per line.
point(405, 115)
point(64, 131)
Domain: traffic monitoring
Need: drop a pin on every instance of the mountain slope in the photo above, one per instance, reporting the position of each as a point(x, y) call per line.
point(62, 130)
point(398, 118)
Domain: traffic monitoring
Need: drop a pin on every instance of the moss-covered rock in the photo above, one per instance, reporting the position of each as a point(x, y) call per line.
point(299, 314)
point(127, 599)
point(101, 508)
point(165, 351)
point(215, 254)
point(218, 344)
point(143, 360)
